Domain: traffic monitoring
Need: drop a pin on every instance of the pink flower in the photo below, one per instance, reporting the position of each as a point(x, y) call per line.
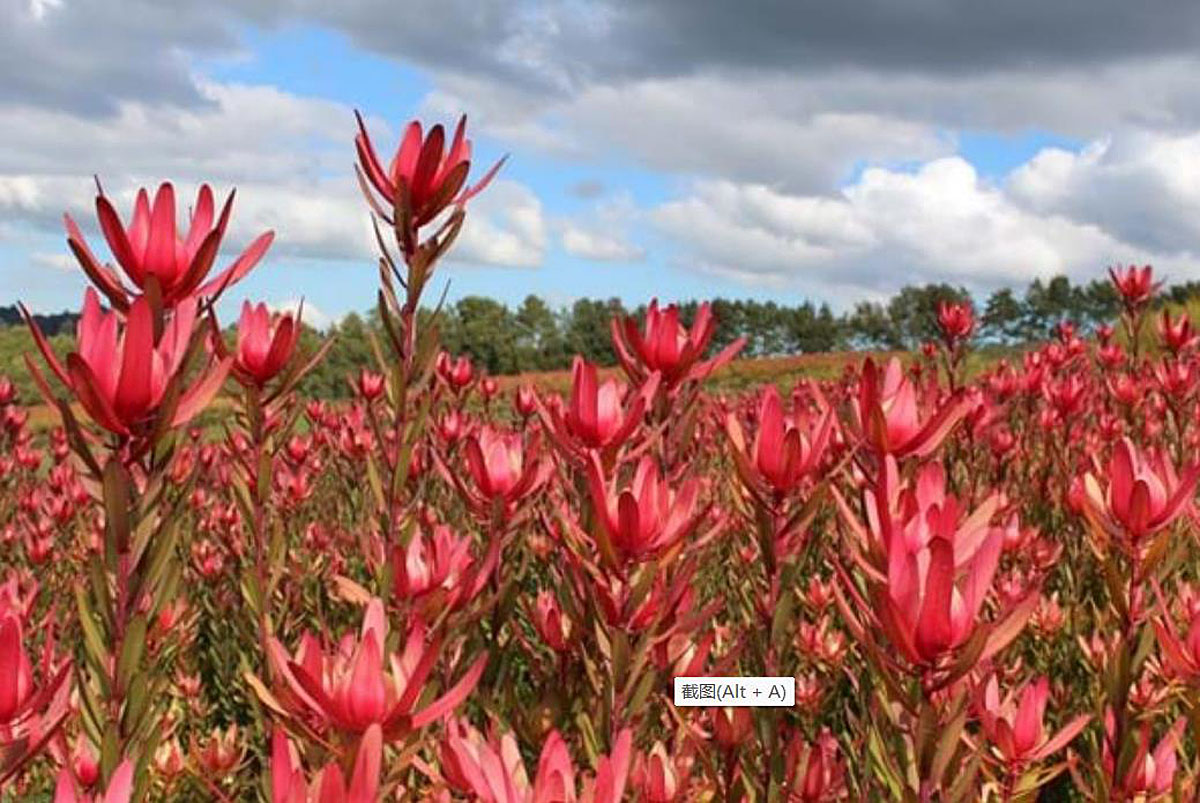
point(888, 417)
point(648, 517)
point(121, 374)
point(265, 343)
point(786, 449)
point(422, 173)
point(667, 346)
point(359, 685)
point(150, 251)
point(1014, 725)
point(1143, 496)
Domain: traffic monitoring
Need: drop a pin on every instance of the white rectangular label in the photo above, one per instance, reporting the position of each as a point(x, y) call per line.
point(722, 692)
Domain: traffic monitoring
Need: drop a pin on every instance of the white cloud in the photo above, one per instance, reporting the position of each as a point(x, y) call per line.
point(311, 314)
point(598, 245)
point(286, 154)
point(890, 228)
point(1143, 187)
point(505, 226)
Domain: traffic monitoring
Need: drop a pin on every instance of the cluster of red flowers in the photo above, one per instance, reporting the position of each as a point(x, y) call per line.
point(981, 578)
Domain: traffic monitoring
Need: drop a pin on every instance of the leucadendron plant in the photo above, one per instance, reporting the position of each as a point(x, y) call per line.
point(139, 372)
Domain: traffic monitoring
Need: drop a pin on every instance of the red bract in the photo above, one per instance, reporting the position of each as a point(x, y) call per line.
point(786, 449)
point(1144, 494)
point(667, 346)
point(1177, 334)
point(598, 416)
point(504, 469)
point(888, 418)
point(288, 784)
point(120, 787)
point(359, 684)
point(121, 373)
point(956, 321)
point(422, 174)
point(29, 716)
point(151, 248)
point(491, 770)
point(265, 343)
point(648, 517)
point(1014, 724)
point(1136, 285)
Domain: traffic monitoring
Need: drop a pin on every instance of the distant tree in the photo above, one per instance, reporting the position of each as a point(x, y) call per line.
point(539, 339)
point(488, 334)
point(588, 332)
point(1001, 320)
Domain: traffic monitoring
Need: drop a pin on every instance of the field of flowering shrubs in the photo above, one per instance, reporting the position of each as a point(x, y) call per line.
point(984, 590)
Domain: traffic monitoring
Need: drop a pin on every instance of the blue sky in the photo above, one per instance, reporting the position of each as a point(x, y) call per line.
point(642, 161)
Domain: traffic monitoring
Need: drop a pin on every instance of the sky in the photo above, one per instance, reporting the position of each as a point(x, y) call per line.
point(679, 149)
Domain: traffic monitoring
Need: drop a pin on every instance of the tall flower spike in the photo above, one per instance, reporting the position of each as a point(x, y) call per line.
point(151, 247)
point(422, 172)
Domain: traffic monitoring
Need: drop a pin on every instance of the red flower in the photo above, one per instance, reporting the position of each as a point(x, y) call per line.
point(152, 248)
point(1180, 655)
point(1177, 334)
point(121, 374)
point(120, 787)
point(265, 343)
point(786, 449)
point(599, 416)
point(1143, 496)
point(370, 385)
point(29, 716)
point(438, 572)
point(492, 771)
point(667, 346)
point(648, 517)
point(552, 625)
point(956, 321)
point(359, 685)
point(817, 773)
point(1014, 725)
point(1136, 285)
point(421, 169)
point(888, 418)
point(504, 469)
point(932, 567)
point(288, 784)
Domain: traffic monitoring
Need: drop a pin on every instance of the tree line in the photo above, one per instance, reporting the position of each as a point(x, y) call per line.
point(533, 336)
